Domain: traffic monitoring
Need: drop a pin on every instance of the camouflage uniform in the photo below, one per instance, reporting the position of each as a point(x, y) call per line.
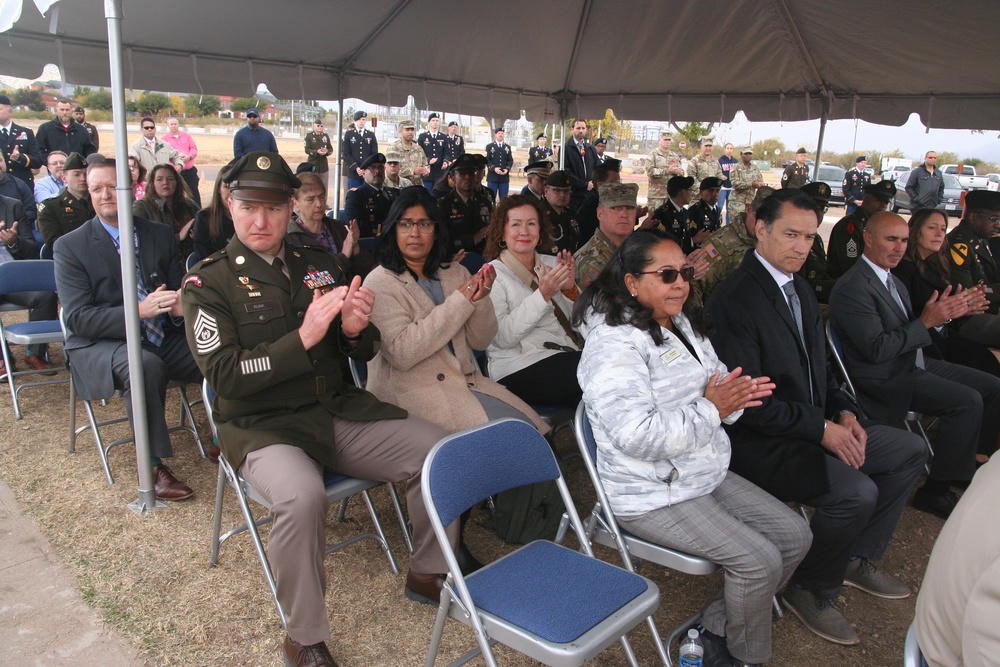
point(847, 242)
point(413, 156)
point(400, 184)
point(742, 178)
point(699, 169)
point(726, 249)
point(660, 167)
point(592, 257)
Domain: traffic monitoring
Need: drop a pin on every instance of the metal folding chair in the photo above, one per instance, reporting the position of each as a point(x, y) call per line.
point(555, 605)
point(28, 275)
point(94, 425)
point(338, 488)
point(911, 651)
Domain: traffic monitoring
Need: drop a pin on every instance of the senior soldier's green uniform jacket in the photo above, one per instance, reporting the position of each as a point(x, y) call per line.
point(62, 214)
point(242, 318)
point(660, 167)
point(413, 157)
point(315, 141)
point(742, 178)
point(847, 242)
point(700, 168)
point(972, 263)
point(795, 176)
point(726, 249)
point(591, 259)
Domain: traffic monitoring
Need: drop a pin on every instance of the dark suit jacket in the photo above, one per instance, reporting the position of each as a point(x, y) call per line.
point(30, 156)
point(777, 445)
point(88, 276)
point(579, 168)
point(11, 211)
point(880, 341)
point(52, 137)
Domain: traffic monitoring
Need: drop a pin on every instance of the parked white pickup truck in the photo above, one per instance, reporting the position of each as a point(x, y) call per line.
point(966, 174)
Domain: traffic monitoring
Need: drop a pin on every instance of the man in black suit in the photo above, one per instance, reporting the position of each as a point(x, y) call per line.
point(89, 281)
point(805, 443)
point(18, 145)
point(882, 346)
point(579, 163)
point(369, 204)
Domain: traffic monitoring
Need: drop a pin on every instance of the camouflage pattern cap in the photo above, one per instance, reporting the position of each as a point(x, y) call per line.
point(618, 193)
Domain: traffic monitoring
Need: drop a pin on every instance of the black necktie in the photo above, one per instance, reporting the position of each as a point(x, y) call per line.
point(796, 307)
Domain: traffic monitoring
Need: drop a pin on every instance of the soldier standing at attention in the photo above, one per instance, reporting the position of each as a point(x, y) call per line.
point(661, 165)
point(433, 144)
point(796, 175)
point(359, 145)
point(499, 160)
point(540, 151)
point(454, 145)
point(415, 167)
point(318, 149)
point(746, 178)
point(855, 182)
point(600, 145)
point(703, 166)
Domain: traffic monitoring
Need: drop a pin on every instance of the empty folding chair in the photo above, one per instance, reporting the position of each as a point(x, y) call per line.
point(338, 488)
point(555, 605)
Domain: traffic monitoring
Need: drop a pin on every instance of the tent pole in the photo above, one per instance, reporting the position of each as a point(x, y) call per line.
point(147, 496)
point(562, 142)
point(819, 144)
point(340, 138)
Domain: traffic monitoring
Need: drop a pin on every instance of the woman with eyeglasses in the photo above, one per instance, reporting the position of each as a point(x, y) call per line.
point(657, 395)
point(535, 351)
point(433, 315)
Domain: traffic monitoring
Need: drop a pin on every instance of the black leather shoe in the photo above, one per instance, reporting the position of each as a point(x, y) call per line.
point(422, 591)
point(716, 651)
point(937, 505)
point(466, 561)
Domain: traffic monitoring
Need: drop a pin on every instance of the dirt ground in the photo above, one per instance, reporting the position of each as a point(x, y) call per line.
point(148, 576)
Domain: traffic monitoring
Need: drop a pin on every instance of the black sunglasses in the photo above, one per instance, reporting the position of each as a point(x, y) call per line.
point(149, 127)
point(669, 276)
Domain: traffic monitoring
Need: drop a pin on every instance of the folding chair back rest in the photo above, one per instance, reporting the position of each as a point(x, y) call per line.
point(28, 275)
point(837, 353)
point(359, 372)
point(469, 466)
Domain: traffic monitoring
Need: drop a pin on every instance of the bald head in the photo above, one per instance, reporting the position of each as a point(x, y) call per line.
point(886, 236)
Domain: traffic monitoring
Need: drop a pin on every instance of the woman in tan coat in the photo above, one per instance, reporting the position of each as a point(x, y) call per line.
point(432, 315)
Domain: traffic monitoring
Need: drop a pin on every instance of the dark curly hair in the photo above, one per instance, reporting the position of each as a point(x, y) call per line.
point(390, 255)
point(609, 296)
point(498, 223)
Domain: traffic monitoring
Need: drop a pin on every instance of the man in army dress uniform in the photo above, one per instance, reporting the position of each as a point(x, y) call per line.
point(539, 151)
point(18, 145)
point(563, 228)
point(499, 160)
point(318, 149)
point(359, 145)
point(703, 166)
point(847, 240)
point(600, 145)
point(616, 213)
point(661, 165)
point(415, 167)
point(269, 325)
point(856, 181)
point(537, 173)
point(973, 263)
point(80, 116)
point(704, 216)
point(393, 165)
point(673, 215)
point(746, 178)
point(816, 270)
point(466, 210)
point(454, 145)
point(727, 246)
point(796, 175)
point(369, 204)
point(71, 207)
point(433, 144)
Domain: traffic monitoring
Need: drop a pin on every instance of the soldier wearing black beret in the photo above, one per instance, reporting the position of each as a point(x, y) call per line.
point(466, 210)
point(359, 144)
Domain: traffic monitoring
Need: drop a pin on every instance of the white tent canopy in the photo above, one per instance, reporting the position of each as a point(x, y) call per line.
point(657, 60)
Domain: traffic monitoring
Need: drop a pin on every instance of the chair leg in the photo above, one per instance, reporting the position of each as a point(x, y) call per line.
point(658, 642)
point(100, 442)
point(629, 653)
point(220, 488)
point(438, 631)
point(72, 416)
point(778, 611)
point(187, 421)
point(403, 525)
point(381, 533)
point(8, 360)
point(342, 512)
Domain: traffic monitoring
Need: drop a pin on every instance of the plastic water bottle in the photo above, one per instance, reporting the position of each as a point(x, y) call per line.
point(691, 650)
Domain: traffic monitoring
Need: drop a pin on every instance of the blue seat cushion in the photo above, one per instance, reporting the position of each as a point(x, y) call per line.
point(553, 592)
point(33, 328)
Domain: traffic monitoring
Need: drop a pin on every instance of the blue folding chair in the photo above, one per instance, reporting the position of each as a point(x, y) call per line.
point(45, 252)
point(27, 275)
point(555, 605)
point(191, 260)
point(339, 488)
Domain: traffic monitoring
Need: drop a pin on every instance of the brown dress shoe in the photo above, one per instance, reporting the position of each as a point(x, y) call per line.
point(168, 487)
point(423, 590)
point(213, 452)
point(314, 655)
point(3, 368)
point(39, 364)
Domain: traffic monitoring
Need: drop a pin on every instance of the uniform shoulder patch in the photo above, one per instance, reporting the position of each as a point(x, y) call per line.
point(959, 253)
point(193, 279)
point(206, 333)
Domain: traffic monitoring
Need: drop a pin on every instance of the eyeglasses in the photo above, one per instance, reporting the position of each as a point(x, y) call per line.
point(994, 219)
point(932, 157)
point(669, 276)
point(423, 226)
point(149, 127)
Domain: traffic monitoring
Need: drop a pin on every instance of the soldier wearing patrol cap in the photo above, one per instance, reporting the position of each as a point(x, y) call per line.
point(672, 215)
point(856, 183)
point(537, 173)
point(270, 325)
point(393, 165)
point(796, 174)
point(616, 214)
point(369, 204)
point(746, 178)
point(816, 269)
point(972, 261)
point(704, 216)
point(454, 145)
point(703, 166)
point(415, 167)
point(661, 165)
point(71, 207)
point(847, 240)
point(433, 144)
point(539, 151)
point(359, 144)
point(466, 210)
point(563, 228)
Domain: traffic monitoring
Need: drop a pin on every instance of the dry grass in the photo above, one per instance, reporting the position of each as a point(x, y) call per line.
point(148, 576)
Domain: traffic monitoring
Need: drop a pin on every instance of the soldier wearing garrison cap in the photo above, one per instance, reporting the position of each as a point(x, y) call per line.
point(661, 165)
point(816, 269)
point(415, 167)
point(358, 145)
point(796, 174)
point(70, 208)
point(540, 151)
point(270, 326)
point(847, 239)
point(369, 204)
point(672, 214)
point(466, 210)
point(564, 231)
point(856, 180)
point(537, 173)
point(973, 263)
point(703, 166)
point(704, 216)
point(616, 214)
point(433, 144)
